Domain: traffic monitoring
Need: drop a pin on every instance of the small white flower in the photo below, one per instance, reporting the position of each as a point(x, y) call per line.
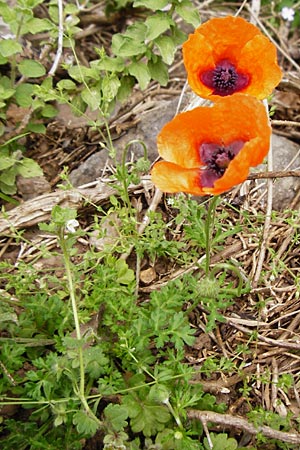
point(288, 13)
point(71, 225)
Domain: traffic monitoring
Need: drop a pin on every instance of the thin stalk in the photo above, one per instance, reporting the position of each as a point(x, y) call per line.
point(13, 63)
point(74, 308)
point(81, 392)
point(209, 224)
point(124, 179)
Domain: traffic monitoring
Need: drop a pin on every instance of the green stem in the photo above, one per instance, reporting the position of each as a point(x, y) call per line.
point(74, 309)
point(124, 180)
point(174, 414)
point(230, 267)
point(13, 63)
point(209, 224)
point(81, 392)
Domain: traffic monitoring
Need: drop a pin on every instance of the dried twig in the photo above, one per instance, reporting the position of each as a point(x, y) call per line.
point(286, 123)
point(39, 209)
point(278, 174)
point(229, 421)
point(267, 223)
point(59, 39)
point(274, 342)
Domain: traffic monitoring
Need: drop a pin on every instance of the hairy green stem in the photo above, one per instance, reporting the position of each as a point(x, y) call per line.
point(13, 63)
point(81, 391)
point(74, 307)
point(209, 223)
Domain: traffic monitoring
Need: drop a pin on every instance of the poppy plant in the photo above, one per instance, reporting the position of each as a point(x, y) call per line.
point(228, 55)
point(208, 150)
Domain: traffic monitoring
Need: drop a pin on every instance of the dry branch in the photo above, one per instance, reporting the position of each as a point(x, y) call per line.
point(39, 209)
point(230, 421)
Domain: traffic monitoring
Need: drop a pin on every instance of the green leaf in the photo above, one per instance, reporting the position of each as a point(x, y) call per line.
point(158, 71)
point(49, 111)
point(7, 13)
point(137, 31)
point(6, 93)
point(125, 89)
point(7, 189)
point(9, 176)
point(78, 106)
point(2, 128)
point(29, 168)
point(31, 69)
point(116, 416)
point(151, 4)
point(36, 127)
point(92, 97)
point(124, 274)
point(146, 416)
point(159, 393)
point(61, 216)
point(3, 60)
point(8, 317)
point(95, 362)
point(36, 25)
point(81, 73)
point(9, 47)
point(141, 72)
point(166, 47)
point(109, 64)
point(110, 87)
point(84, 424)
point(23, 94)
point(6, 162)
point(53, 12)
point(157, 24)
point(188, 12)
point(221, 442)
point(68, 85)
point(127, 46)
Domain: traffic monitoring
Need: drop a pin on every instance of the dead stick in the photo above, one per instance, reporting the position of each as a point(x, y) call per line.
point(227, 420)
point(274, 342)
point(278, 174)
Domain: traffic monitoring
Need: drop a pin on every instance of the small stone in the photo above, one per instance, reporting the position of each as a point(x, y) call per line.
point(109, 228)
point(147, 276)
point(91, 169)
point(30, 188)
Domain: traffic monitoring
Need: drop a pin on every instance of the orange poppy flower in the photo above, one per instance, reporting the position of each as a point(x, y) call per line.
point(208, 150)
point(228, 55)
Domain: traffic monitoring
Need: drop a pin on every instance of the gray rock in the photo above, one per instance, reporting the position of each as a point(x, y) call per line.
point(286, 156)
point(91, 169)
point(145, 131)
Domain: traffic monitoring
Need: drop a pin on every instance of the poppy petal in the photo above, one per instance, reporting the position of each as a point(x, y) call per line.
point(239, 42)
point(178, 141)
point(171, 178)
point(236, 127)
point(227, 36)
point(264, 77)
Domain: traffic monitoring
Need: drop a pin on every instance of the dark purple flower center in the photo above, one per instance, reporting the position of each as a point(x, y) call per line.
point(224, 79)
point(216, 159)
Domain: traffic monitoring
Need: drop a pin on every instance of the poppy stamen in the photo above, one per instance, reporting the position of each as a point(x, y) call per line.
point(224, 79)
point(217, 158)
